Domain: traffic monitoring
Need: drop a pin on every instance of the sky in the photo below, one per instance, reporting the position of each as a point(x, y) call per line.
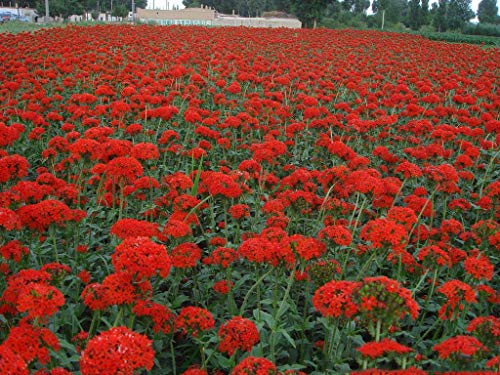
point(162, 4)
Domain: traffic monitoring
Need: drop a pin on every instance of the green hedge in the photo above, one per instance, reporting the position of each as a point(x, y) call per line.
point(463, 38)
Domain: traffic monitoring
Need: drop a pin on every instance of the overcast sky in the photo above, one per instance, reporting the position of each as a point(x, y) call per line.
point(162, 4)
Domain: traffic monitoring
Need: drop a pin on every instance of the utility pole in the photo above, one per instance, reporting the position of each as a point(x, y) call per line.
point(46, 10)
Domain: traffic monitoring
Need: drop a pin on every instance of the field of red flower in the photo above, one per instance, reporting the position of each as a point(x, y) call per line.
point(240, 201)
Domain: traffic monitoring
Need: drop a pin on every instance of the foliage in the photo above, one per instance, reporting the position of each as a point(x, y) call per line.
point(61, 8)
point(120, 11)
point(463, 38)
point(487, 12)
point(486, 29)
point(458, 13)
point(192, 200)
point(440, 12)
point(390, 11)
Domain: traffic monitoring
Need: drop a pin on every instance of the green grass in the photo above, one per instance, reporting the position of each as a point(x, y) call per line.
point(14, 27)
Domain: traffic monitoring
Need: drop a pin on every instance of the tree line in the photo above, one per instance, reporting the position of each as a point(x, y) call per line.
point(415, 14)
point(443, 15)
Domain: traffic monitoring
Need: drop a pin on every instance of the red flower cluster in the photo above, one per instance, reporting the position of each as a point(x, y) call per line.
point(255, 366)
point(377, 349)
point(194, 320)
point(161, 316)
point(335, 299)
point(40, 300)
point(40, 216)
point(185, 255)
point(237, 334)
point(457, 293)
point(117, 351)
point(460, 345)
point(125, 228)
point(141, 257)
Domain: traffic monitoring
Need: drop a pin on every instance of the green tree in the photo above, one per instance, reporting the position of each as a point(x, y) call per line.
point(424, 15)
point(355, 6)
point(310, 12)
point(390, 11)
point(439, 15)
point(120, 11)
point(414, 15)
point(61, 8)
point(487, 11)
point(192, 3)
point(458, 13)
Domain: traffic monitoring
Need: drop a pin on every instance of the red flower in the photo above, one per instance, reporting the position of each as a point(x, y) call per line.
point(408, 371)
point(185, 255)
point(255, 366)
point(335, 299)
point(194, 371)
point(222, 256)
point(141, 257)
point(176, 229)
point(384, 233)
point(84, 276)
point(40, 300)
point(239, 211)
point(487, 328)
point(338, 234)
point(145, 151)
point(16, 285)
point(14, 250)
point(11, 363)
point(194, 320)
point(223, 286)
point(408, 170)
point(9, 219)
point(385, 300)
point(126, 228)
point(41, 215)
point(12, 167)
point(218, 183)
point(123, 170)
point(479, 266)
point(445, 177)
point(121, 288)
point(459, 345)
point(307, 247)
point(456, 293)
point(377, 349)
point(272, 247)
point(161, 316)
point(31, 342)
point(237, 333)
point(93, 296)
point(434, 257)
point(117, 351)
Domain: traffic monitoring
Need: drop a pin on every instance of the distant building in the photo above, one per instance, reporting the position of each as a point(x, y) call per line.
point(23, 14)
point(205, 16)
point(187, 16)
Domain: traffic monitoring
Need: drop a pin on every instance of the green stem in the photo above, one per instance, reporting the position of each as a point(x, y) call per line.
point(257, 283)
point(429, 296)
point(172, 354)
point(203, 357)
point(118, 316)
point(96, 318)
point(377, 330)
point(367, 264)
point(54, 244)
